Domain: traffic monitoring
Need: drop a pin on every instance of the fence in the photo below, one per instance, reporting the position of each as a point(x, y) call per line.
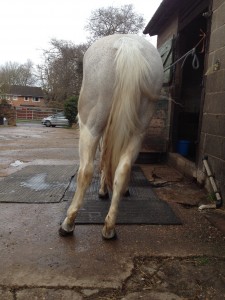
point(33, 113)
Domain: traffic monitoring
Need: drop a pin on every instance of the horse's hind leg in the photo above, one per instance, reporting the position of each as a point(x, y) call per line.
point(103, 191)
point(120, 184)
point(87, 150)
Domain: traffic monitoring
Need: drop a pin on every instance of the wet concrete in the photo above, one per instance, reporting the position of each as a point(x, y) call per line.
point(36, 145)
point(36, 263)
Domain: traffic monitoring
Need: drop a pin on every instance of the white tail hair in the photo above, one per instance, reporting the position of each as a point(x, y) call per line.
point(132, 81)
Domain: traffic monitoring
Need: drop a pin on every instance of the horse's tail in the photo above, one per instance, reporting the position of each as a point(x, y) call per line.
point(132, 80)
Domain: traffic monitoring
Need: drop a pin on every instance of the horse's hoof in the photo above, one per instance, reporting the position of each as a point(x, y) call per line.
point(110, 238)
point(110, 235)
point(103, 196)
point(127, 194)
point(64, 233)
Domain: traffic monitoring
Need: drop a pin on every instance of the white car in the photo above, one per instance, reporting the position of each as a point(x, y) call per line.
point(55, 120)
point(44, 119)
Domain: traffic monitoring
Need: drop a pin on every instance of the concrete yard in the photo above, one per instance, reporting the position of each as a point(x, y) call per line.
point(146, 261)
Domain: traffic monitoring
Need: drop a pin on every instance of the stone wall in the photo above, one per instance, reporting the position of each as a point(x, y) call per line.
point(213, 123)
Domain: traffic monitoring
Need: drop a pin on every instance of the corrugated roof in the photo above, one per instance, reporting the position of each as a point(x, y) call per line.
point(29, 91)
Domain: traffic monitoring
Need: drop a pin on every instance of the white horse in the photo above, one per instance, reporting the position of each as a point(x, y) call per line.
point(121, 82)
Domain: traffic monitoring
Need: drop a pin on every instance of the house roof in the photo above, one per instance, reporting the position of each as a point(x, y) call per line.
point(31, 91)
point(161, 16)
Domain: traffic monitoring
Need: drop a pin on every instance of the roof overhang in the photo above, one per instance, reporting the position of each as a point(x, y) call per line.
point(164, 12)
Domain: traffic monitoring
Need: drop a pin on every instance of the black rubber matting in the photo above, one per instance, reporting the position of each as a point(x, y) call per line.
point(37, 184)
point(141, 207)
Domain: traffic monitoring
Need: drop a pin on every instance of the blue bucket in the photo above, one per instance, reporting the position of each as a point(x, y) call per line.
point(183, 147)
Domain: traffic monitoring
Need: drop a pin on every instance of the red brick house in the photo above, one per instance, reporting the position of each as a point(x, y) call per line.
point(25, 96)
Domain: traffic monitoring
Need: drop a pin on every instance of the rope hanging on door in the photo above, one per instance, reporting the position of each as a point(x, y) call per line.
point(195, 60)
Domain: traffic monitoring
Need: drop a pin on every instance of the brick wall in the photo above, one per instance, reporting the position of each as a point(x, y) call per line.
point(156, 139)
point(213, 123)
point(20, 100)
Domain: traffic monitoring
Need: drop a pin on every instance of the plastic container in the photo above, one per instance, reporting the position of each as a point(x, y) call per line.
point(5, 121)
point(183, 147)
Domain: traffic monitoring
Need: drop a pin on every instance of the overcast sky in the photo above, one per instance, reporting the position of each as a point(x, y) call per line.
point(27, 26)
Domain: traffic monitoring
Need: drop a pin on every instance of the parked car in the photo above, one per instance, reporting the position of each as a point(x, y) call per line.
point(44, 119)
point(58, 119)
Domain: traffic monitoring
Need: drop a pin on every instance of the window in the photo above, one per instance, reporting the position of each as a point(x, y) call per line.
point(15, 98)
point(26, 98)
point(36, 99)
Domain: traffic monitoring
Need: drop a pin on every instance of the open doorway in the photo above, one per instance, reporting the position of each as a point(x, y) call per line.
point(189, 88)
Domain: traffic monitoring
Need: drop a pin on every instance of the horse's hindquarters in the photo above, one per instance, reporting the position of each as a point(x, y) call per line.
point(122, 79)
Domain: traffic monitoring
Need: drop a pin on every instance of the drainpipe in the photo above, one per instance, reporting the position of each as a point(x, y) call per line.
point(212, 181)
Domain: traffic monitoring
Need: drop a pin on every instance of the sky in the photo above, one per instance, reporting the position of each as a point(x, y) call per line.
point(27, 26)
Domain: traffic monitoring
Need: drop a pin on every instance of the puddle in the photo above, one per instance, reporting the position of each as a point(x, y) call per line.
point(37, 182)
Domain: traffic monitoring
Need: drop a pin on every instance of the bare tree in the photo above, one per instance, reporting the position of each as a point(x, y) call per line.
point(13, 73)
point(110, 20)
point(61, 72)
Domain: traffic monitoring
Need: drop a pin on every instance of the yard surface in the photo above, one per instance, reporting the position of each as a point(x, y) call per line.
point(146, 261)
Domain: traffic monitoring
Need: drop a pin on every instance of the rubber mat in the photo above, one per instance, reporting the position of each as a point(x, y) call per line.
point(37, 184)
point(141, 207)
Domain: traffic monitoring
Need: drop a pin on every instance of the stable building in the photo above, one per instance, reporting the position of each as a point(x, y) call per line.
point(192, 46)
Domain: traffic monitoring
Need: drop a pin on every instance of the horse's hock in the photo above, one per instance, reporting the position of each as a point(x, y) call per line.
point(7, 111)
